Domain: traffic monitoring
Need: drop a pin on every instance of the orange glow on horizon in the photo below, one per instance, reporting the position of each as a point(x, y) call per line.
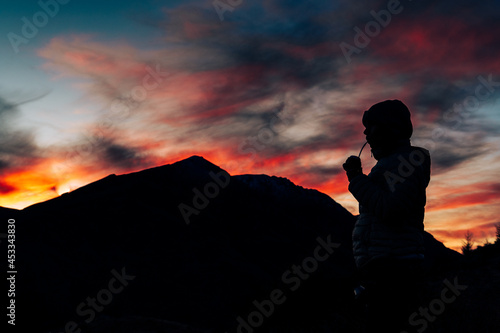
point(38, 185)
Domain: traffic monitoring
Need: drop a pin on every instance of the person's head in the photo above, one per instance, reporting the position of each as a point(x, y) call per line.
point(387, 125)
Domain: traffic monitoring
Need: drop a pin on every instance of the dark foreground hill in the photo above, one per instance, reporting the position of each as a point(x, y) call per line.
point(187, 248)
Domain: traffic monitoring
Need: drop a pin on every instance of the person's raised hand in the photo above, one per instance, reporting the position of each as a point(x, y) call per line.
point(352, 167)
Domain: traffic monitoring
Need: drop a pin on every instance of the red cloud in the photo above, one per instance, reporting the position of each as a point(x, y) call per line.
point(190, 113)
point(455, 238)
point(6, 188)
point(463, 197)
point(83, 57)
point(437, 45)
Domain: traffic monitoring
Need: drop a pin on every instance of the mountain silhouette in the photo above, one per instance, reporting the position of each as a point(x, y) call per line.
point(187, 248)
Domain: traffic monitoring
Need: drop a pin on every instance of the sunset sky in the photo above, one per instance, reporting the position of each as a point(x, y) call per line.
point(277, 87)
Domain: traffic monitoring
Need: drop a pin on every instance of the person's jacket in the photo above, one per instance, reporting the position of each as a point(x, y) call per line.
point(391, 206)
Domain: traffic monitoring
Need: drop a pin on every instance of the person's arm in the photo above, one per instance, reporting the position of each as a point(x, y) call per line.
point(402, 194)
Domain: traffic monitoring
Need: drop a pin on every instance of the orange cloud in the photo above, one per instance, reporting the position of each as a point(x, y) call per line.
point(217, 106)
point(472, 194)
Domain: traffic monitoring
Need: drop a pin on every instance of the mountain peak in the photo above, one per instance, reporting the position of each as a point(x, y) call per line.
point(197, 162)
point(203, 245)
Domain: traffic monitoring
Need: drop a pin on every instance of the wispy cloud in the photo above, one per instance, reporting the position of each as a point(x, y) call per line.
point(268, 90)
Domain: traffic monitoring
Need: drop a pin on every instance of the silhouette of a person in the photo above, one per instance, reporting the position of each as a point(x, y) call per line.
point(388, 234)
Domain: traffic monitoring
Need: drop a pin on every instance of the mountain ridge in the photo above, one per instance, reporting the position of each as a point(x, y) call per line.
point(241, 241)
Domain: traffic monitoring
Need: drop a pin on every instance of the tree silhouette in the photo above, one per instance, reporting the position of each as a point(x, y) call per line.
point(497, 226)
point(468, 244)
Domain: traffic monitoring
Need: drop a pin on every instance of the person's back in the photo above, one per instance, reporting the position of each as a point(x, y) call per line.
point(387, 237)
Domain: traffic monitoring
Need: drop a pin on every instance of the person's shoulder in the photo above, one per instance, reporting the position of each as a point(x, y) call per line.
point(421, 149)
point(420, 152)
point(407, 154)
